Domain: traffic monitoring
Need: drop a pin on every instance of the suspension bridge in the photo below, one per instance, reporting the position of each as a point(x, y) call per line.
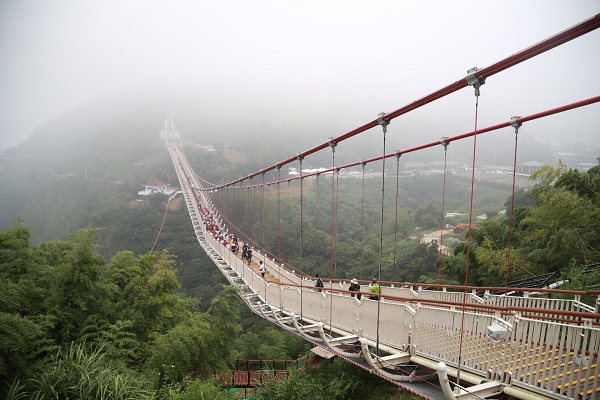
point(437, 341)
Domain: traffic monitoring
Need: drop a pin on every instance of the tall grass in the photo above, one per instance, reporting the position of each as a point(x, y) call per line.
point(80, 372)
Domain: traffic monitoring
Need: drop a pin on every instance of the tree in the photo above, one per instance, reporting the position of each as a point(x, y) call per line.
point(74, 292)
point(585, 184)
point(563, 225)
point(224, 311)
point(427, 217)
point(200, 344)
point(142, 291)
point(22, 339)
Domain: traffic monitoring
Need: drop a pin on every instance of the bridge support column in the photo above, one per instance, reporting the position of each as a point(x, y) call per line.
point(341, 340)
point(376, 365)
point(442, 372)
point(301, 330)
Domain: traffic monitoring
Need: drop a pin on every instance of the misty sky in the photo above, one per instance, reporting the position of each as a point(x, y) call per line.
point(351, 58)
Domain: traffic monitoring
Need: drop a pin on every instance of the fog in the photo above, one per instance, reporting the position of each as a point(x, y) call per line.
point(335, 63)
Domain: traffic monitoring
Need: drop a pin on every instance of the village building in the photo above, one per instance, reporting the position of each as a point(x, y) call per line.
point(154, 186)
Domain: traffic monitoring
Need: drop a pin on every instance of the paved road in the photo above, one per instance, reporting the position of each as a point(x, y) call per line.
point(431, 236)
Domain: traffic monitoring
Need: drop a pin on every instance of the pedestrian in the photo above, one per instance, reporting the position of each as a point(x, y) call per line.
point(263, 269)
point(318, 283)
point(374, 289)
point(249, 255)
point(244, 251)
point(354, 287)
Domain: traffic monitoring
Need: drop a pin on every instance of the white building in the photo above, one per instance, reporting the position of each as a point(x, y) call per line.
point(154, 186)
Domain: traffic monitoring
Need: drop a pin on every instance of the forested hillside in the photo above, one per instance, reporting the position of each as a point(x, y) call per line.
point(77, 327)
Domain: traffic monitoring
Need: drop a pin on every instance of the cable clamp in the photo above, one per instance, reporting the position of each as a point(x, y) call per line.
point(475, 81)
point(332, 144)
point(300, 157)
point(444, 143)
point(384, 122)
point(397, 155)
point(515, 124)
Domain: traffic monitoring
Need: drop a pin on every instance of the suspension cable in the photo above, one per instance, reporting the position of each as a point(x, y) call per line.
point(262, 207)
point(241, 209)
point(162, 224)
point(332, 144)
point(396, 219)
point(317, 229)
point(300, 158)
point(565, 36)
point(279, 216)
point(491, 128)
point(476, 82)
point(289, 230)
point(444, 143)
point(516, 125)
point(234, 203)
point(252, 201)
point(268, 218)
point(222, 207)
point(362, 220)
point(384, 123)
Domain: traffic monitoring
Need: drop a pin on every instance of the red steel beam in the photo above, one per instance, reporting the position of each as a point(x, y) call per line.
point(491, 128)
point(560, 38)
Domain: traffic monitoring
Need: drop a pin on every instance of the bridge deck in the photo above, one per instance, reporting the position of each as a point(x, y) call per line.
point(530, 346)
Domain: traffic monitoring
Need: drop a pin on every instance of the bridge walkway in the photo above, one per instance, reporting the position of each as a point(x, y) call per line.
point(523, 347)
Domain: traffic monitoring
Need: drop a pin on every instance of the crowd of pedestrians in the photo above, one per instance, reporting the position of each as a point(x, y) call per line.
point(231, 242)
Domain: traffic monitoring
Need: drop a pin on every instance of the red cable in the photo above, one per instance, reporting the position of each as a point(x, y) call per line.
point(362, 222)
point(491, 128)
point(462, 326)
point(165, 214)
point(252, 209)
point(279, 219)
point(301, 234)
point(443, 204)
point(512, 205)
point(396, 220)
point(234, 208)
point(317, 229)
point(333, 216)
point(262, 209)
point(289, 222)
point(161, 226)
point(567, 35)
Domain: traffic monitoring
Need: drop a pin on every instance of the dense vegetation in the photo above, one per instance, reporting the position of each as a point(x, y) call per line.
point(76, 327)
point(555, 229)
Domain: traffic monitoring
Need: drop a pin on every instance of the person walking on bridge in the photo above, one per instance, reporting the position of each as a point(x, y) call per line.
point(318, 283)
point(249, 255)
point(244, 251)
point(263, 269)
point(375, 290)
point(354, 287)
